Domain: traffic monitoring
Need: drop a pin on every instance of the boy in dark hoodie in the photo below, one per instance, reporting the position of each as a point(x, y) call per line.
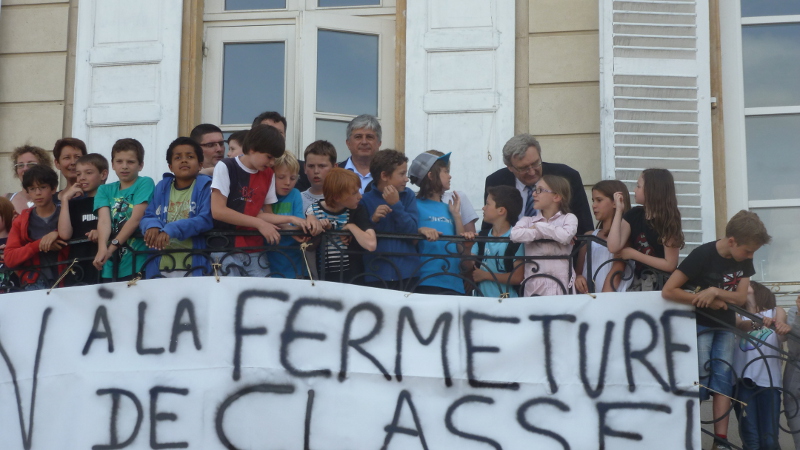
point(179, 213)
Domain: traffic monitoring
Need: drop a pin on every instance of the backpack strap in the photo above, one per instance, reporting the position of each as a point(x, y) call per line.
point(511, 252)
point(507, 263)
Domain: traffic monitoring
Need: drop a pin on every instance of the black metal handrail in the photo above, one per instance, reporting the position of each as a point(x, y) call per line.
point(455, 247)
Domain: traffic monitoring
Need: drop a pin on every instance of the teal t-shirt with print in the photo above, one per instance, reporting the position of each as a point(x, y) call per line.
point(120, 203)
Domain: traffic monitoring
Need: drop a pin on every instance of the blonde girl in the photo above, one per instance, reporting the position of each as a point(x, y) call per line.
point(551, 198)
point(649, 234)
point(608, 277)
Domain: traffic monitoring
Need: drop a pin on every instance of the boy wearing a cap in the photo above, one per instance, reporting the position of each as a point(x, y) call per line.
point(431, 173)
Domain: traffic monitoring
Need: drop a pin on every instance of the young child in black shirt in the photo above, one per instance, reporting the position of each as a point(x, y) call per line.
point(77, 219)
point(650, 234)
point(713, 276)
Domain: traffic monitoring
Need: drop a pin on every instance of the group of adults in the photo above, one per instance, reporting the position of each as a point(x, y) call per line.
point(363, 141)
point(522, 156)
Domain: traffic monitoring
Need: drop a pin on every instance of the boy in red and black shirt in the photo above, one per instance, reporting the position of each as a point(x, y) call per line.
point(242, 194)
point(34, 240)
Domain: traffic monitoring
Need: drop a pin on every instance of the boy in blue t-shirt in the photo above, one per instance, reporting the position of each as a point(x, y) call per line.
point(500, 277)
point(392, 207)
point(288, 263)
point(119, 207)
point(179, 213)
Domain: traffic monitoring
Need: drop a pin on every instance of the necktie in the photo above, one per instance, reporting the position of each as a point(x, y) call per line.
point(529, 211)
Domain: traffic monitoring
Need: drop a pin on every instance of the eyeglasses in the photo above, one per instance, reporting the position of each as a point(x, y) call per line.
point(210, 145)
point(528, 168)
point(538, 190)
point(24, 165)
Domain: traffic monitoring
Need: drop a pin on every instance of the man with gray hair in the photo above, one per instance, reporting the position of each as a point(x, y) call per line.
point(522, 156)
point(363, 141)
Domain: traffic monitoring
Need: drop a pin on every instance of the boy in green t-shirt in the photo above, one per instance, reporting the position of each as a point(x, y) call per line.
point(119, 207)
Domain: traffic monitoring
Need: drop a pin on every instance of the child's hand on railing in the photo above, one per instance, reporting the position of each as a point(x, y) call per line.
point(705, 298)
point(93, 236)
point(51, 242)
point(469, 235)
point(430, 234)
point(581, 285)
point(150, 237)
point(314, 226)
point(782, 328)
point(270, 232)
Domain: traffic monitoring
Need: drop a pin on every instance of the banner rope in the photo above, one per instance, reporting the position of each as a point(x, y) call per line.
point(720, 393)
point(216, 266)
point(66, 272)
point(303, 247)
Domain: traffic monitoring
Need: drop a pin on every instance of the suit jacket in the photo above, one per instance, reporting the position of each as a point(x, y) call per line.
point(578, 206)
point(302, 183)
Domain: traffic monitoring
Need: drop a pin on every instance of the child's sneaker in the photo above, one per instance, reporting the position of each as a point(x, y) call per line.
point(720, 445)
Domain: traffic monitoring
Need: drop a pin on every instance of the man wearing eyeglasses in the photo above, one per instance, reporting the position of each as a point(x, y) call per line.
point(211, 140)
point(522, 156)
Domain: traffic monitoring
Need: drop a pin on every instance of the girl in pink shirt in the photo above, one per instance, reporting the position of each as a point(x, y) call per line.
point(554, 223)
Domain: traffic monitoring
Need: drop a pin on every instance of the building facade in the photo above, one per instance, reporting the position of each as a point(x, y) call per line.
point(707, 89)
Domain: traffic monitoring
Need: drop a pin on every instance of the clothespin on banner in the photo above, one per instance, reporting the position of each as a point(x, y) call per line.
point(133, 281)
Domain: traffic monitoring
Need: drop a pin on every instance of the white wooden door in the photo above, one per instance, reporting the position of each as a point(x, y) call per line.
point(127, 76)
point(460, 85)
point(656, 102)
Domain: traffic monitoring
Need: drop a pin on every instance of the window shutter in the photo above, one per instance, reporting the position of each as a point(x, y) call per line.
point(655, 101)
point(127, 76)
point(460, 85)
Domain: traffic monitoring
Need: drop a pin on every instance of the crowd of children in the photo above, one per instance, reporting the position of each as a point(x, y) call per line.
point(133, 227)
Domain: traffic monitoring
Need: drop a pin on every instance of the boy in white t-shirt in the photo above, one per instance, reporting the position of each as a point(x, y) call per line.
point(320, 159)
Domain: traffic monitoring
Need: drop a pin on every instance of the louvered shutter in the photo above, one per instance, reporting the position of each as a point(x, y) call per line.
point(127, 76)
point(460, 85)
point(655, 101)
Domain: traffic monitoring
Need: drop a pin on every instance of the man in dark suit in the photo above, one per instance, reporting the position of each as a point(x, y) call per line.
point(522, 156)
point(363, 141)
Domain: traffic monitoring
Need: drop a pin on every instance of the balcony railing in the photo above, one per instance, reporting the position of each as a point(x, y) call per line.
point(221, 258)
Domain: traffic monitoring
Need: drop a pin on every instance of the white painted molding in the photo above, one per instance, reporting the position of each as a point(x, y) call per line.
point(460, 85)
point(127, 76)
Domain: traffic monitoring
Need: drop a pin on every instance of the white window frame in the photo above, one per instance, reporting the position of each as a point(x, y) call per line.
point(385, 29)
point(298, 28)
point(385, 7)
point(216, 38)
point(735, 112)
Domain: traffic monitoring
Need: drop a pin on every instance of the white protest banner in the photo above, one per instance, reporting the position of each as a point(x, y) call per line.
point(281, 364)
